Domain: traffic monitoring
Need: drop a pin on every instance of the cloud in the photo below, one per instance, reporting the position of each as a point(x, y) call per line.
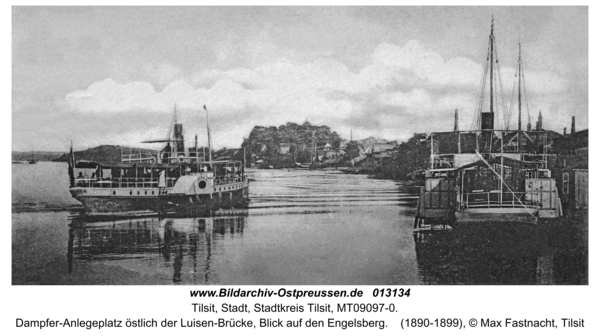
point(109, 96)
point(415, 99)
point(427, 65)
point(401, 85)
point(165, 73)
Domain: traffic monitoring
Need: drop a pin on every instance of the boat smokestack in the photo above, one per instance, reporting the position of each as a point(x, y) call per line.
point(178, 137)
point(487, 120)
point(573, 125)
point(455, 120)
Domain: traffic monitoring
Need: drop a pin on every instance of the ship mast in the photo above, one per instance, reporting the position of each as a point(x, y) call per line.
point(521, 98)
point(208, 134)
point(492, 70)
point(483, 118)
point(519, 69)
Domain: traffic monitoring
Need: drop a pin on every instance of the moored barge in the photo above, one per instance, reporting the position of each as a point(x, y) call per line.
point(489, 174)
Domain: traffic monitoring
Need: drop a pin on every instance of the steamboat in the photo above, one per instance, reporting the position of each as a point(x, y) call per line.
point(489, 174)
point(173, 179)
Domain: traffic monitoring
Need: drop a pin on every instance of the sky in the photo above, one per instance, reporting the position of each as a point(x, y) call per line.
point(113, 75)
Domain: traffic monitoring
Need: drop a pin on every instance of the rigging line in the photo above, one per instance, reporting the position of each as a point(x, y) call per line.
point(495, 84)
point(478, 108)
point(525, 90)
point(500, 109)
point(477, 103)
point(475, 119)
point(475, 122)
point(496, 102)
point(499, 94)
point(479, 98)
point(512, 96)
point(503, 102)
point(502, 179)
point(502, 98)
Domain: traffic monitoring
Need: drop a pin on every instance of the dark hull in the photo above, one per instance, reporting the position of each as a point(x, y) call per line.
point(97, 205)
point(115, 205)
point(224, 200)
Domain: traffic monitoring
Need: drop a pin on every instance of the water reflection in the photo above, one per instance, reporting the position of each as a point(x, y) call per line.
point(301, 228)
point(183, 245)
point(502, 254)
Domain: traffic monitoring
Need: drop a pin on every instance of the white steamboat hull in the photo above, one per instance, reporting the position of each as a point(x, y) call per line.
point(99, 202)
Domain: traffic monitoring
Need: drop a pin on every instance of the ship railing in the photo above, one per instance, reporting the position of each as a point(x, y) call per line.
point(163, 157)
point(182, 157)
point(527, 157)
point(441, 161)
point(123, 182)
point(138, 157)
point(230, 179)
point(496, 199)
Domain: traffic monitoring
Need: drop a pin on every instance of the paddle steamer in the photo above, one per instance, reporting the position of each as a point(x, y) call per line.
point(170, 180)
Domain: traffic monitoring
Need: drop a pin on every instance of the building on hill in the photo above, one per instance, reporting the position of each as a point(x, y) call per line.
point(373, 145)
point(379, 147)
point(385, 153)
point(284, 148)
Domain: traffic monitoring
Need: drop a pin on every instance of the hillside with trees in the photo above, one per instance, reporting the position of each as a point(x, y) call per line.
point(410, 156)
point(284, 145)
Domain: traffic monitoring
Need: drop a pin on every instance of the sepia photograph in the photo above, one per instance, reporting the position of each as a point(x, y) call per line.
point(299, 145)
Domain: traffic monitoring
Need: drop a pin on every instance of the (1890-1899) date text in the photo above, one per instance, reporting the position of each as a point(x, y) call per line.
point(436, 323)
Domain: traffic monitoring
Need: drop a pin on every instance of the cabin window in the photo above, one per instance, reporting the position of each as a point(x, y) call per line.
point(114, 192)
point(565, 183)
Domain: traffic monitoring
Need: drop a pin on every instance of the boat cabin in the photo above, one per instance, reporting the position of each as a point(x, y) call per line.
point(90, 174)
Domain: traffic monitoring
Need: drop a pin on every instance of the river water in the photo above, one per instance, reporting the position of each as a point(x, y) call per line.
point(301, 228)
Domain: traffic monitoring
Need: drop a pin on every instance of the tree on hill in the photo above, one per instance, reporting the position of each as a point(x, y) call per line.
point(266, 142)
point(352, 149)
point(411, 156)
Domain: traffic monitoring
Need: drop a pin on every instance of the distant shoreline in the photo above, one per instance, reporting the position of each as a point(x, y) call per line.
point(41, 207)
